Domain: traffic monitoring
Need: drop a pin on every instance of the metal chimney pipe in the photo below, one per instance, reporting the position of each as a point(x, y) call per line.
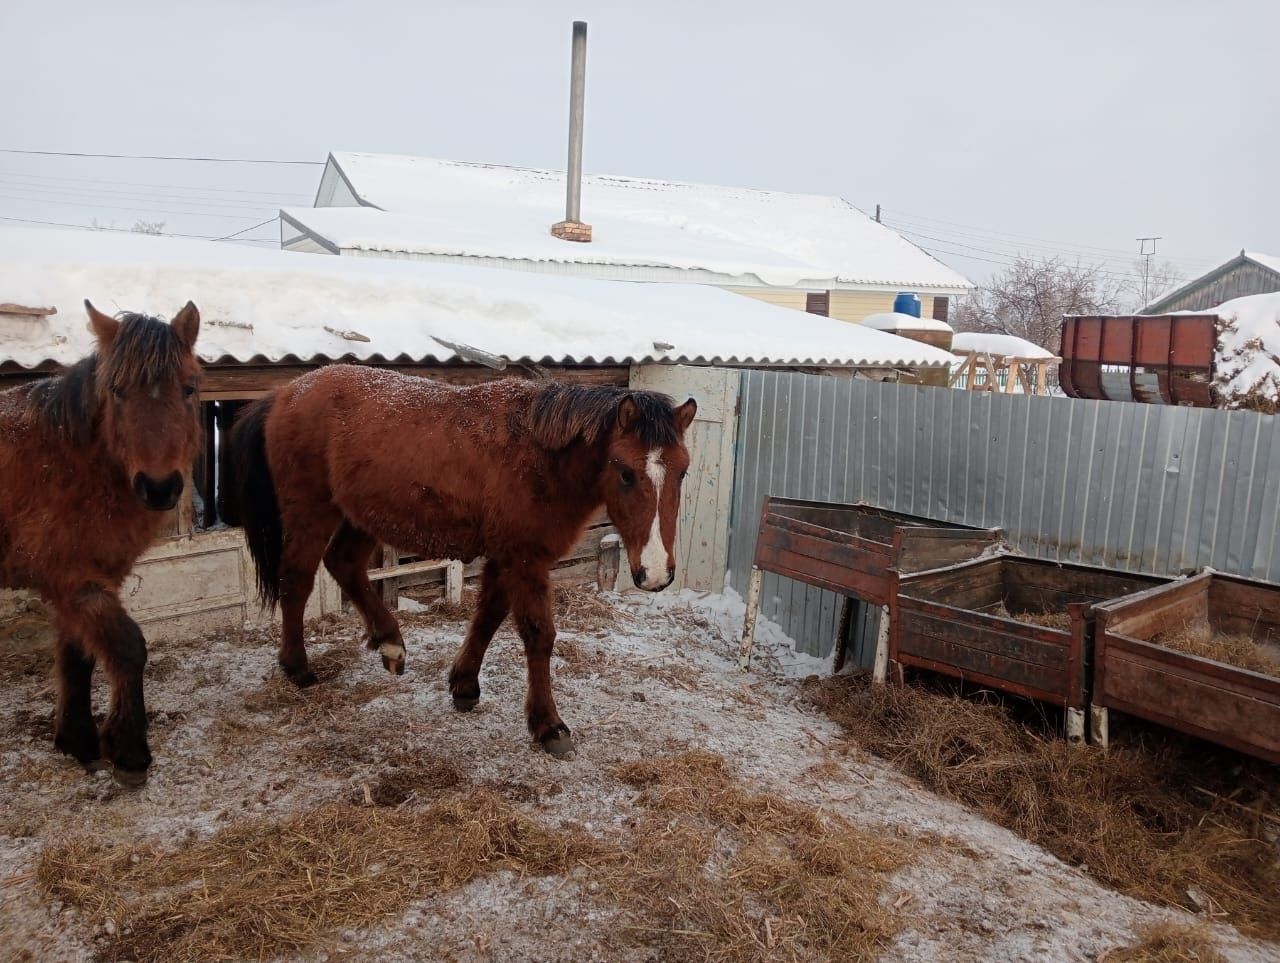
point(572, 228)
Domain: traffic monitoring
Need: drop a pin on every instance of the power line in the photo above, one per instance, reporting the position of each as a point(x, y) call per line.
point(117, 207)
point(179, 187)
point(270, 220)
point(215, 202)
point(126, 230)
point(991, 232)
point(161, 157)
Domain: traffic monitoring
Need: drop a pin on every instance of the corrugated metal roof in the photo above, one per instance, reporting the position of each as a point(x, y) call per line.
point(278, 307)
point(424, 206)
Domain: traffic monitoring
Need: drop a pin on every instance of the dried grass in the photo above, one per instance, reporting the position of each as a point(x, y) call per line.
point(1049, 620)
point(1167, 943)
point(721, 873)
point(1156, 820)
point(1238, 650)
point(266, 887)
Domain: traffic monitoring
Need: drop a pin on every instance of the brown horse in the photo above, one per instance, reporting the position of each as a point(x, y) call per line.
point(346, 457)
point(88, 460)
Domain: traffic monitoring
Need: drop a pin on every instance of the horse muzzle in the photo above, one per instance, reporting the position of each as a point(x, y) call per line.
point(158, 496)
point(640, 575)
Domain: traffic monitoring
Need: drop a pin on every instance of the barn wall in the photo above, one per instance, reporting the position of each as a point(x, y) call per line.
point(702, 546)
point(1141, 488)
point(856, 305)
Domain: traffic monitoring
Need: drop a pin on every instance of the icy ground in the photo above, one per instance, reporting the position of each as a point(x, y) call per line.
point(226, 737)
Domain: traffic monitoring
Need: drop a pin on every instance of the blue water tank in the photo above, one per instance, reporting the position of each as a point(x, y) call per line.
point(907, 303)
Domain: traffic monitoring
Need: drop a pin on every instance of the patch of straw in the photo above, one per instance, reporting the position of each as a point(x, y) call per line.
point(1167, 943)
point(1238, 650)
point(1158, 821)
point(266, 887)
point(722, 873)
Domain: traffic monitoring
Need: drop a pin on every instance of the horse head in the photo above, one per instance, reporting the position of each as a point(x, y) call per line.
point(647, 461)
point(147, 378)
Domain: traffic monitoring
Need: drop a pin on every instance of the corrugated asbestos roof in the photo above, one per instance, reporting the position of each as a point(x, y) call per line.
point(278, 307)
point(418, 205)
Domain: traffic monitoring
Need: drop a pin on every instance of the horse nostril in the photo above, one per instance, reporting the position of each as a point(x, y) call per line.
point(174, 484)
point(158, 495)
point(637, 575)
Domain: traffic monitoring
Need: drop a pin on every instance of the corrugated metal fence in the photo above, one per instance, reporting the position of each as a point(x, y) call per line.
point(1135, 487)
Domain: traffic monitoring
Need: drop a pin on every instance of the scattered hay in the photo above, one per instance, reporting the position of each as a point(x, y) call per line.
point(579, 609)
point(264, 887)
point(412, 777)
point(1167, 943)
point(1049, 620)
point(1238, 650)
point(1158, 821)
point(789, 884)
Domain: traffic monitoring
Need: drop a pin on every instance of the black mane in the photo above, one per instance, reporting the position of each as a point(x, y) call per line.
point(562, 414)
point(145, 351)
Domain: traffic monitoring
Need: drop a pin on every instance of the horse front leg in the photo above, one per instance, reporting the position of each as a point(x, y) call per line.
point(491, 609)
point(74, 731)
point(116, 643)
point(347, 559)
point(531, 602)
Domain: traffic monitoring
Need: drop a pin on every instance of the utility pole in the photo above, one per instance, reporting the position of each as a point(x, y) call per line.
point(1146, 263)
point(877, 213)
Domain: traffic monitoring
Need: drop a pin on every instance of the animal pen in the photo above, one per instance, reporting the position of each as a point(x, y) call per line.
point(1096, 501)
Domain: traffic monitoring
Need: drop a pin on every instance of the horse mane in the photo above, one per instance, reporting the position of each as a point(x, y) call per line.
point(145, 351)
point(564, 413)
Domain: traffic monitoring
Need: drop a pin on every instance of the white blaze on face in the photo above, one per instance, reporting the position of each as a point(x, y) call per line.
point(654, 556)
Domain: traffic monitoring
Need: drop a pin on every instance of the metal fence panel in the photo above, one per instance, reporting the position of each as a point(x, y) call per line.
point(1142, 488)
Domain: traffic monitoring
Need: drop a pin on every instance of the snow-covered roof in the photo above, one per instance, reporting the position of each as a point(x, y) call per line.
point(1161, 304)
point(1269, 261)
point(1003, 345)
point(417, 205)
point(1247, 365)
point(897, 321)
point(277, 306)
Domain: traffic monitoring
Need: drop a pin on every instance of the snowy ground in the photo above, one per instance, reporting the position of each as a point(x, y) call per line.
point(230, 742)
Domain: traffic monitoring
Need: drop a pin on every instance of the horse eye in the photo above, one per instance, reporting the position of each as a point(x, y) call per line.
point(628, 478)
point(683, 474)
point(188, 391)
point(117, 394)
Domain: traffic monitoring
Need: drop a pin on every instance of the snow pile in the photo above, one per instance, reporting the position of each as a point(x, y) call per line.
point(280, 306)
point(424, 205)
point(1003, 345)
point(897, 321)
point(1247, 362)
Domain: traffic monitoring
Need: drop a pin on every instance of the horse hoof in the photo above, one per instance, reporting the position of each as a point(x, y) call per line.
point(303, 680)
point(97, 765)
point(560, 745)
point(465, 703)
point(129, 778)
point(392, 657)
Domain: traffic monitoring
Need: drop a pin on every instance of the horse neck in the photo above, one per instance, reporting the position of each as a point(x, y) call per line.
point(578, 471)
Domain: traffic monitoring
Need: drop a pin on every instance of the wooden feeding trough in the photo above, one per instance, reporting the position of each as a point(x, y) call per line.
point(854, 550)
point(1015, 624)
point(1144, 666)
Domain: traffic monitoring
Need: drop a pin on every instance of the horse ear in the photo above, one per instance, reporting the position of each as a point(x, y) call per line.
point(187, 324)
point(105, 327)
point(627, 414)
point(684, 415)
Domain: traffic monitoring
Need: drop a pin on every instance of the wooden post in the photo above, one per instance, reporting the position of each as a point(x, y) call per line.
point(608, 562)
point(1015, 375)
point(388, 588)
point(1075, 725)
point(840, 650)
point(1042, 378)
point(749, 622)
point(453, 579)
point(880, 671)
point(1099, 727)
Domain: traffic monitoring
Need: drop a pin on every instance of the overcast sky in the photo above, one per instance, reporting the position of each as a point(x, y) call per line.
point(985, 128)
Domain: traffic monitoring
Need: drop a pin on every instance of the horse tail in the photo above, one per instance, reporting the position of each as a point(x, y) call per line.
point(257, 508)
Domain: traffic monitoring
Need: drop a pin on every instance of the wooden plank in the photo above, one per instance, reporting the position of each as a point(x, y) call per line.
point(921, 552)
point(1008, 638)
point(1244, 717)
point(23, 310)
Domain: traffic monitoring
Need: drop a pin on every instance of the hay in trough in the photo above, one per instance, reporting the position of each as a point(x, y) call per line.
point(267, 887)
point(722, 873)
point(1049, 620)
point(1156, 819)
point(1233, 649)
point(1167, 943)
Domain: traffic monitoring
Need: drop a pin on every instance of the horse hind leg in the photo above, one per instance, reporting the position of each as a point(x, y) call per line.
point(347, 559)
point(74, 731)
point(491, 609)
